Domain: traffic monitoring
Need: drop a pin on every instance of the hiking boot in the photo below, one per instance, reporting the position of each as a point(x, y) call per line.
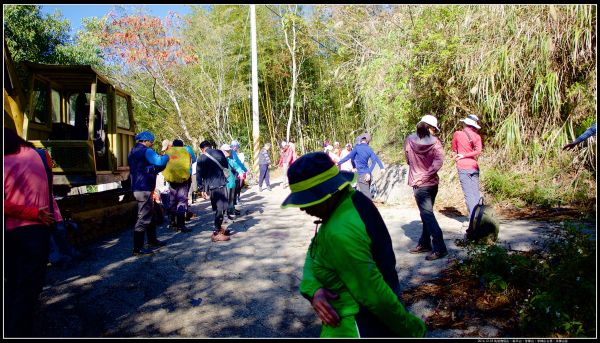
point(142, 251)
point(419, 249)
point(219, 237)
point(231, 216)
point(236, 212)
point(436, 255)
point(225, 232)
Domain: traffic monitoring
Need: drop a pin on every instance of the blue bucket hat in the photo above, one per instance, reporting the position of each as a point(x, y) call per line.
point(144, 136)
point(313, 178)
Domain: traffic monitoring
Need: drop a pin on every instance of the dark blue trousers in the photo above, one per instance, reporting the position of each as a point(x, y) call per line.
point(432, 233)
point(264, 175)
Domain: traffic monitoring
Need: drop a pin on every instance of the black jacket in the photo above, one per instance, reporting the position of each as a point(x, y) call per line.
point(208, 174)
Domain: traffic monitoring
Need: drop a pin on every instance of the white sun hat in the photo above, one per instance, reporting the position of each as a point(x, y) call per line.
point(431, 120)
point(469, 121)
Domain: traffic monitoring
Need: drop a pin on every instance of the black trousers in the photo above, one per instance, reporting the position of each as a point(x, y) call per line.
point(25, 264)
point(219, 203)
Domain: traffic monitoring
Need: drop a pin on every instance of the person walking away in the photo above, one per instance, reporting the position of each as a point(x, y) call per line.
point(346, 166)
point(336, 149)
point(286, 158)
point(235, 170)
point(240, 178)
point(178, 173)
point(350, 260)
point(264, 160)
point(425, 156)
point(591, 131)
point(212, 183)
point(144, 164)
point(329, 151)
point(29, 213)
point(360, 156)
point(467, 145)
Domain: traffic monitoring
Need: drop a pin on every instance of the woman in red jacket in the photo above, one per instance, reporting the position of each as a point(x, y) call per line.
point(29, 215)
point(466, 143)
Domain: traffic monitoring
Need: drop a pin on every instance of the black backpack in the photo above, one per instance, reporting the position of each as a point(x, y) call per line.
point(483, 225)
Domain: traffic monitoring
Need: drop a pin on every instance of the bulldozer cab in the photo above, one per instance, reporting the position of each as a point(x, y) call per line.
point(79, 116)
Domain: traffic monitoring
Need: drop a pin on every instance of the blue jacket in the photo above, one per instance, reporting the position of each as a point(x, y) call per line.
point(235, 168)
point(191, 151)
point(239, 162)
point(263, 157)
point(587, 134)
point(360, 156)
point(142, 167)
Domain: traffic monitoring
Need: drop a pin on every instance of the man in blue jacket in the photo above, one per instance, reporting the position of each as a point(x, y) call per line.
point(144, 164)
point(360, 156)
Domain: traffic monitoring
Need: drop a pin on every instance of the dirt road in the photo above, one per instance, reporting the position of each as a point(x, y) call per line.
point(247, 287)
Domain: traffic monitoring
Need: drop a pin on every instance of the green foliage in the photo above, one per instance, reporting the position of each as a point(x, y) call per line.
point(528, 72)
point(557, 281)
point(546, 185)
point(31, 36)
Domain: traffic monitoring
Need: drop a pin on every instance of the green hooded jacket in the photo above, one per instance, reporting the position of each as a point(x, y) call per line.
point(352, 255)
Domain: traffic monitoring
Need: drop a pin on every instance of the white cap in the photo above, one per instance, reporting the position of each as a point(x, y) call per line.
point(471, 122)
point(474, 117)
point(431, 120)
point(226, 147)
point(165, 144)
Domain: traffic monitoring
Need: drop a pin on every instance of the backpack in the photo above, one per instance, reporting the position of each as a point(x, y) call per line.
point(483, 225)
point(178, 167)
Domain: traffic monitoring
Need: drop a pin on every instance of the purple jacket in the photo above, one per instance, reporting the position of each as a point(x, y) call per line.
point(424, 157)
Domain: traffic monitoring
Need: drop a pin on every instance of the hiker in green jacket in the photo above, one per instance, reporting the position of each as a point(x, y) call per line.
point(349, 273)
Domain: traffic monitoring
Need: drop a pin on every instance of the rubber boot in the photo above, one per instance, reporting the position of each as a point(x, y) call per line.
point(153, 242)
point(138, 244)
point(181, 223)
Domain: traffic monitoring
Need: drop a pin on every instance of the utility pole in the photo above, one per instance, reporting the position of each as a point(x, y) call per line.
point(255, 127)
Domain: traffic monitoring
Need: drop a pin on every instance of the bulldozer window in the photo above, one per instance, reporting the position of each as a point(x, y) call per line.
point(122, 113)
point(56, 117)
point(40, 102)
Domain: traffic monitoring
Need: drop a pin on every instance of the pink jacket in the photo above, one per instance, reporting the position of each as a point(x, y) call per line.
point(424, 157)
point(25, 189)
point(461, 145)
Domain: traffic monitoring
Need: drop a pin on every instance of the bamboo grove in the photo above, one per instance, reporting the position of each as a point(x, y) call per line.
point(528, 71)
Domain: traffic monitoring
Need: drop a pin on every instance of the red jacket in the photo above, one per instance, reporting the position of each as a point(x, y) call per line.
point(25, 189)
point(461, 145)
point(288, 155)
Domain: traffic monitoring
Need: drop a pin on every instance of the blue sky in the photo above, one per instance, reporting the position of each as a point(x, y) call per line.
point(75, 13)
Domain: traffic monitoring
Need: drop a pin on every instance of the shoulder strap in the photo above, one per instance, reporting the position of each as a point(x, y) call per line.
point(213, 159)
point(217, 162)
point(42, 154)
point(470, 140)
